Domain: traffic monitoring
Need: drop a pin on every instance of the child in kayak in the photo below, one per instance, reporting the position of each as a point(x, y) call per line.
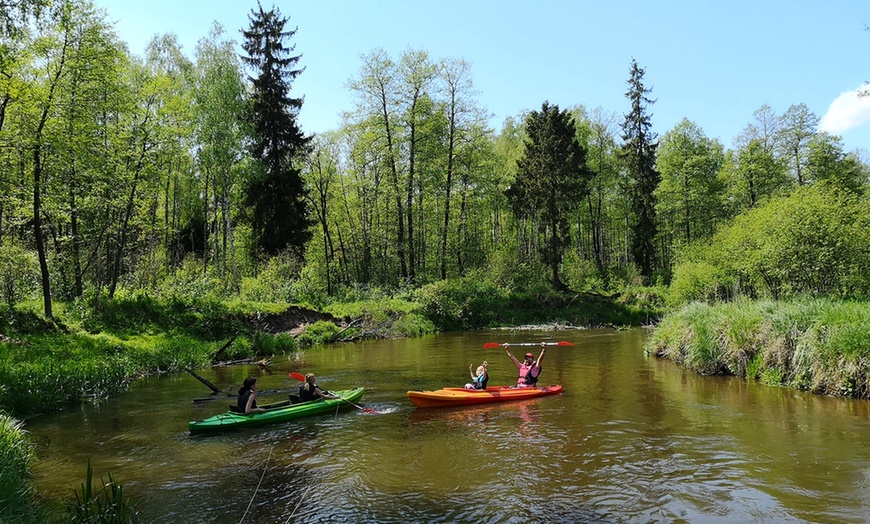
point(311, 391)
point(529, 369)
point(479, 378)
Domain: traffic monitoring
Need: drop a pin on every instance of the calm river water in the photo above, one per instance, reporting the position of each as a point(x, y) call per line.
point(631, 439)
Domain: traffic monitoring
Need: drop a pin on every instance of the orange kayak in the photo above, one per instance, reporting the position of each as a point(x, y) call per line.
point(466, 397)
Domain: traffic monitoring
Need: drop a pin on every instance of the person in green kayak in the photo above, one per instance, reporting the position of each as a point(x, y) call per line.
point(247, 402)
point(311, 391)
point(529, 369)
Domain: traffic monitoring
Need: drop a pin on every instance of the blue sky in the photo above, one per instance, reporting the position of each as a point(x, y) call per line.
point(714, 62)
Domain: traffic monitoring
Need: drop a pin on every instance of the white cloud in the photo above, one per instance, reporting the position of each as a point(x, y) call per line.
point(847, 111)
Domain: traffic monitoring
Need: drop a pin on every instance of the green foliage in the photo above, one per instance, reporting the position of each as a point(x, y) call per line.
point(16, 493)
point(581, 274)
point(689, 195)
point(698, 280)
point(16, 449)
point(194, 280)
point(392, 316)
point(320, 332)
point(813, 241)
point(103, 505)
point(18, 268)
point(639, 158)
point(276, 196)
point(274, 283)
point(465, 303)
point(819, 345)
point(268, 344)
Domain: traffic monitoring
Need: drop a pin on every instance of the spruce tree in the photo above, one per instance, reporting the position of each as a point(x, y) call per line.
point(277, 196)
point(639, 154)
point(552, 180)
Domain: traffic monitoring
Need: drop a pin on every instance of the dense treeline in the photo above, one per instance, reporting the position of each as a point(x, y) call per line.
point(120, 170)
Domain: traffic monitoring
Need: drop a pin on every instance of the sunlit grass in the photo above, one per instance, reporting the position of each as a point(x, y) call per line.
point(819, 345)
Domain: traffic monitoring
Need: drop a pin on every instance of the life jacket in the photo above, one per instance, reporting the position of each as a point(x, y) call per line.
point(243, 400)
point(479, 382)
point(307, 394)
point(529, 379)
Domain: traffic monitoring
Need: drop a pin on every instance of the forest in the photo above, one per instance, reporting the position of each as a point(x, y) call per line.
point(166, 174)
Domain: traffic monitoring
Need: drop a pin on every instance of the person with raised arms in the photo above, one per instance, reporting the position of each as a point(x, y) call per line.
point(529, 369)
point(479, 378)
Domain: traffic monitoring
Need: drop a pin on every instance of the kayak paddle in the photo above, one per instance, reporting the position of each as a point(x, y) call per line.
point(301, 378)
point(491, 345)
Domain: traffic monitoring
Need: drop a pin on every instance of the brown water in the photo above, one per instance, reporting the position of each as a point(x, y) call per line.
point(631, 439)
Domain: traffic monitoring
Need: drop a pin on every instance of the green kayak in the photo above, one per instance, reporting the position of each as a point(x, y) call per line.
point(276, 412)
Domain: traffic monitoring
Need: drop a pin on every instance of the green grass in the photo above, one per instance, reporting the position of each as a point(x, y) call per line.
point(820, 345)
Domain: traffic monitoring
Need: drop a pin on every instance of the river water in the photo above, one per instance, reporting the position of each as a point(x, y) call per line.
point(631, 439)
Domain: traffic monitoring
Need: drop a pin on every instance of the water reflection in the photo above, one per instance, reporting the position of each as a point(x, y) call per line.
point(631, 439)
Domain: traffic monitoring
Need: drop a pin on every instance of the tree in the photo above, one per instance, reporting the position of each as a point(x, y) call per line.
point(827, 164)
point(416, 74)
point(796, 130)
point(377, 107)
point(219, 103)
point(751, 175)
point(461, 115)
point(552, 180)
point(639, 155)
point(277, 196)
point(602, 160)
point(688, 194)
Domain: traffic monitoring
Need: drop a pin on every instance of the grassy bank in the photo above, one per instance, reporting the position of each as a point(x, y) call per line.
point(821, 345)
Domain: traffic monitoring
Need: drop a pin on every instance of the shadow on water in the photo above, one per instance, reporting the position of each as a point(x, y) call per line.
point(630, 439)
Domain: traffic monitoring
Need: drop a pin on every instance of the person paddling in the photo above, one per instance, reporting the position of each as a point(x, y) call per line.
point(311, 391)
point(529, 369)
point(247, 402)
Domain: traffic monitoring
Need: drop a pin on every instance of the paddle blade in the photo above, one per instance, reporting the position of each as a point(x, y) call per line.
point(491, 345)
point(564, 343)
point(298, 376)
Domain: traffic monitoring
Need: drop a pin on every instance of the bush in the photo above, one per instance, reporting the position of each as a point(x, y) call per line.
point(812, 242)
point(466, 303)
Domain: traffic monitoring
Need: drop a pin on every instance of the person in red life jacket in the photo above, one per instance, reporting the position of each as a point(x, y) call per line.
point(247, 402)
point(529, 369)
point(311, 391)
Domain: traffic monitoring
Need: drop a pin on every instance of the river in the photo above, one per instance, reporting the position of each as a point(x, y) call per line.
point(631, 439)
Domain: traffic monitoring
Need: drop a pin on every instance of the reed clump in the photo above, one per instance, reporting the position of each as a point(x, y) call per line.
point(818, 345)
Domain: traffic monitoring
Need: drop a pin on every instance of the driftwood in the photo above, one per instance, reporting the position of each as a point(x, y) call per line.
point(350, 325)
point(211, 386)
point(223, 348)
point(262, 393)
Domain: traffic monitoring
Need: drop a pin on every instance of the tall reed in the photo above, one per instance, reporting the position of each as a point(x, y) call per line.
point(820, 345)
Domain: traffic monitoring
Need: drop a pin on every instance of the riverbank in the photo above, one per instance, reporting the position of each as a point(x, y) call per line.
point(816, 345)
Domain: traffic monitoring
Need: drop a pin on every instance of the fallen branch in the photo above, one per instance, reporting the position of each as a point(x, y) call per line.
point(218, 353)
point(335, 336)
point(204, 381)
